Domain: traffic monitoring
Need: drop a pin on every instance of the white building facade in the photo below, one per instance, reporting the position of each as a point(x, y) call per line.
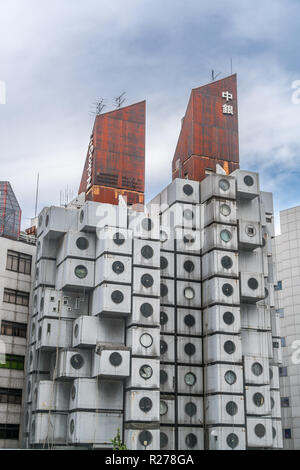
point(161, 323)
point(16, 268)
point(288, 293)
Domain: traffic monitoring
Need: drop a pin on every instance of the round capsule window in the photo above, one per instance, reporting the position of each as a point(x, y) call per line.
point(40, 221)
point(257, 368)
point(188, 189)
point(145, 404)
point(47, 220)
point(33, 427)
point(28, 388)
point(232, 440)
point(118, 267)
point(82, 243)
point(147, 252)
point(266, 293)
point(73, 392)
point(31, 357)
point(145, 438)
point(40, 333)
point(260, 430)
point(118, 238)
point(190, 409)
point(146, 310)
point(191, 440)
point(77, 361)
point(188, 266)
point(225, 209)
point(147, 280)
point(164, 440)
point(227, 289)
point(146, 371)
point(147, 224)
point(226, 262)
point(258, 399)
point(189, 349)
point(163, 262)
point(272, 403)
point(163, 236)
point(146, 340)
point(115, 359)
point(252, 283)
point(190, 379)
point(189, 293)
point(250, 230)
point(248, 180)
point(230, 377)
point(188, 214)
point(224, 184)
point(76, 330)
point(163, 376)
point(42, 304)
point(163, 408)
point(271, 373)
point(163, 347)
point(228, 318)
point(229, 347)
point(163, 290)
point(81, 271)
point(188, 239)
point(225, 235)
point(189, 320)
point(117, 296)
point(163, 318)
point(231, 408)
point(81, 216)
point(273, 432)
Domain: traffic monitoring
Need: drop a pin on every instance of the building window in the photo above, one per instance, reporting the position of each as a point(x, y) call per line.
point(281, 312)
point(18, 262)
point(16, 297)
point(9, 431)
point(13, 362)
point(283, 343)
point(275, 344)
point(287, 433)
point(9, 328)
point(283, 371)
point(278, 286)
point(11, 395)
point(285, 402)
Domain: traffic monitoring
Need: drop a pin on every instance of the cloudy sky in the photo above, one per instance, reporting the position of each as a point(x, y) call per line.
point(57, 57)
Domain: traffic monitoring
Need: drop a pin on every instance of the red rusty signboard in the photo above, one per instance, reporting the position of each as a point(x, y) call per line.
point(209, 131)
point(115, 162)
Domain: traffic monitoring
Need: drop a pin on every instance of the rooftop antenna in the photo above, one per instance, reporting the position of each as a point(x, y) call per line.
point(213, 75)
point(36, 194)
point(99, 106)
point(120, 100)
point(230, 65)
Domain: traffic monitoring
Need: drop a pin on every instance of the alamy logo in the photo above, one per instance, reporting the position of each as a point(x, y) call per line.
point(296, 94)
point(296, 354)
point(2, 92)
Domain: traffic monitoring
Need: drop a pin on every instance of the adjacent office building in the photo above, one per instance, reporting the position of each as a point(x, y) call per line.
point(157, 320)
point(288, 292)
point(17, 252)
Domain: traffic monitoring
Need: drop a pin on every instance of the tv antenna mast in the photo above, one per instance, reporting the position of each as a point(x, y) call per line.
point(214, 76)
point(120, 100)
point(99, 106)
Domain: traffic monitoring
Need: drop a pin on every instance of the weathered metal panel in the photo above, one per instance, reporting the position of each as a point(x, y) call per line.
point(209, 132)
point(115, 162)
